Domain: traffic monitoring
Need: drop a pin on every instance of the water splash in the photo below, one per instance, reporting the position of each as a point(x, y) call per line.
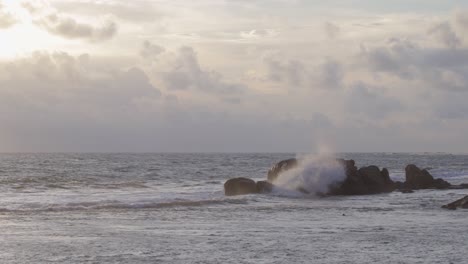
point(314, 175)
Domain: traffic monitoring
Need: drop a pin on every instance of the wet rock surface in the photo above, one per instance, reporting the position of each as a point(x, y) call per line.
point(280, 167)
point(460, 203)
point(239, 186)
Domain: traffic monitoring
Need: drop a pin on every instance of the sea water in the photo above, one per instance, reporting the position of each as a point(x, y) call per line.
point(170, 208)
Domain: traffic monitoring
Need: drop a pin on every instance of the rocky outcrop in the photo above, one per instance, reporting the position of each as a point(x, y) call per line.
point(366, 180)
point(280, 167)
point(422, 179)
point(362, 181)
point(239, 186)
point(461, 203)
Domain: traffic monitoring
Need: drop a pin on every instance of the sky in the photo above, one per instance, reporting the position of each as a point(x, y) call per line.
point(234, 76)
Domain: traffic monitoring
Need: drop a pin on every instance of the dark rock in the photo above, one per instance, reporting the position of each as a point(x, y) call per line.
point(460, 203)
point(399, 185)
point(422, 179)
point(372, 176)
point(417, 178)
point(280, 167)
point(386, 176)
point(366, 180)
point(264, 187)
point(238, 186)
point(349, 166)
point(441, 184)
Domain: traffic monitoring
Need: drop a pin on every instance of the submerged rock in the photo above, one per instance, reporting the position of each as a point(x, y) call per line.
point(238, 186)
point(460, 203)
point(422, 179)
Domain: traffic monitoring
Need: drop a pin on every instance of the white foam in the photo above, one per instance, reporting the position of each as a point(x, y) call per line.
point(314, 174)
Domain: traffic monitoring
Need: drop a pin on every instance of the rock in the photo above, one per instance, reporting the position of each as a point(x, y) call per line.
point(238, 186)
point(441, 184)
point(363, 181)
point(280, 167)
point(264, 187)
point(422, 179)
point(371, 175)
point(349, 165)
point(386, 176)
point(417, 178)
point(461, 203)
point(366, 180)
point(399, 185)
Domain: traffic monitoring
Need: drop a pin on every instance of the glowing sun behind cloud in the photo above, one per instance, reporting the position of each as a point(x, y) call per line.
point(22, 36)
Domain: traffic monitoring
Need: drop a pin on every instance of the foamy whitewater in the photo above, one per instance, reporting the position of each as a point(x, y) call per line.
point(170, 208)
point(313, 175)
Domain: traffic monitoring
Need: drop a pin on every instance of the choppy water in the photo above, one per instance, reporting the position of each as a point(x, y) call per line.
point(170, 208)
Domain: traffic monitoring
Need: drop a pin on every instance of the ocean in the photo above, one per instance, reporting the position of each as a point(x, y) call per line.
point(171, 208)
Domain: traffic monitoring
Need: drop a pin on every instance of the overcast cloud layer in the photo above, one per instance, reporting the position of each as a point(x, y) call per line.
point(233, 76)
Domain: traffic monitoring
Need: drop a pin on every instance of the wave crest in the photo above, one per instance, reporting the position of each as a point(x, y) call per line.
point(313, 175)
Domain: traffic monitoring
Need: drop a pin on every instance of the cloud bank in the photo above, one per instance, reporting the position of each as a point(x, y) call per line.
point(362, 80)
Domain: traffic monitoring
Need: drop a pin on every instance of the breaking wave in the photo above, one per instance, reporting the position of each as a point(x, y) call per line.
point(313, 175)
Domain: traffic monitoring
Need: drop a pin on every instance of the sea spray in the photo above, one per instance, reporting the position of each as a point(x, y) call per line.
point(314, 175)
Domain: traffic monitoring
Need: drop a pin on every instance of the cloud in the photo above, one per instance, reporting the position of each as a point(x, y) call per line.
point(460, 19)
point(327, 75)
point(331, 30)
point(48, 80)
point(60, 102)
point(438, 68)
point(451, 107)
point(444, 33)
point(370, 101)
point(397, 56)
point(331, 74)
point(182, 71)
point(131, 11)
point(6, 18)
point(150, 51)
point(388, 86)
point(259, 33)
point(66, 26)
point(291, 71)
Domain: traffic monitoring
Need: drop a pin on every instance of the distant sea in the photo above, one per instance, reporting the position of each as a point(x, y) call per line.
point(170, 208)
